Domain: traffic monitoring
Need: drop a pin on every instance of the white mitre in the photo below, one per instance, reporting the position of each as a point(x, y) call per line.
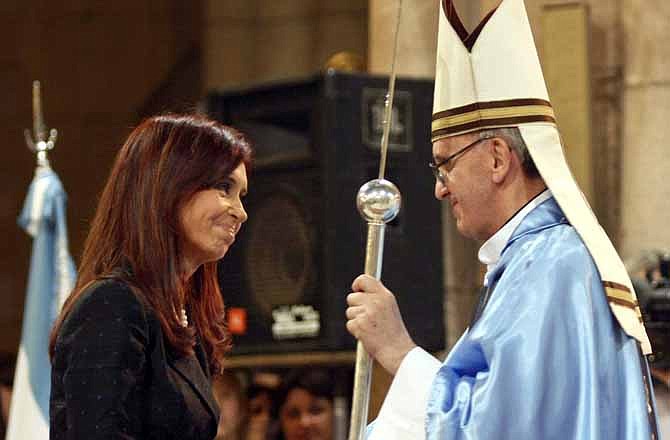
point(492, 78)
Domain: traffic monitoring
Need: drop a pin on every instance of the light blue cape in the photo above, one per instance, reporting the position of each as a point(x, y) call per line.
point(546, 359)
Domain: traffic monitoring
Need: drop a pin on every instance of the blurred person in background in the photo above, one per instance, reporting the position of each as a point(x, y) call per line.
point(305, 405)
point(650, 274)
point(262, 425)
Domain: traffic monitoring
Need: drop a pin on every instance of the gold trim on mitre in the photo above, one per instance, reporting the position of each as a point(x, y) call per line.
point(493, 114)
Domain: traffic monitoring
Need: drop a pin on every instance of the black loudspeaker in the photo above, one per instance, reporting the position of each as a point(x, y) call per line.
point(317, 141)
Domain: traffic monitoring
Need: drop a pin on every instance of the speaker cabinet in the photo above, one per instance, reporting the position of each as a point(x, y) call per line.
point(316, 142)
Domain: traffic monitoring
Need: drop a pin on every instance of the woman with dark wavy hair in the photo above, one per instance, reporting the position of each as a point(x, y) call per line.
point(306, 405)
point(138, 338)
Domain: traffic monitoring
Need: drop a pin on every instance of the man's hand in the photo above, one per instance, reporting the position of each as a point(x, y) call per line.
point(374, 319)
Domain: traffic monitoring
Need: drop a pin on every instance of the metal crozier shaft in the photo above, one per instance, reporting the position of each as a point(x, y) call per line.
point(378, 202)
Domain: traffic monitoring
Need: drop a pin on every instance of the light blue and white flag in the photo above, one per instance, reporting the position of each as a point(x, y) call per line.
point(52, 276)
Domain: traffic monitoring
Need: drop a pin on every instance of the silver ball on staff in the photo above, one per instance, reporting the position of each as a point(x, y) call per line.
point(378, 201)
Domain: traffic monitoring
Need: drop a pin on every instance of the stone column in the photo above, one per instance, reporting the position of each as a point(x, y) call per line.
point(342, 26)
point(606, 41)
point(645, 197)
point(285, 39)
point(249, 42)
point(417, 44)
point(229, 43)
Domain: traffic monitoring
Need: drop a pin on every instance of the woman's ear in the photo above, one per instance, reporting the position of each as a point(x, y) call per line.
point(502, 159)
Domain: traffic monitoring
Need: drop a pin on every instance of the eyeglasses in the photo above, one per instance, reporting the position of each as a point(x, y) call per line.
point(437, 168)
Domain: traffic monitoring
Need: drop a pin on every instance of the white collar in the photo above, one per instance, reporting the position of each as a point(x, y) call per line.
point(489, 253)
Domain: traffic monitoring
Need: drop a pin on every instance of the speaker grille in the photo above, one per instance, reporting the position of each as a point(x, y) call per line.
point(280, 253)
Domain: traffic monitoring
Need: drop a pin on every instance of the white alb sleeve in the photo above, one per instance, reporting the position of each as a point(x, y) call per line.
point(402, 415)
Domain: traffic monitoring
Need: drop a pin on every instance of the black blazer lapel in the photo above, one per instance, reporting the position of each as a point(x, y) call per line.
point(193, 373)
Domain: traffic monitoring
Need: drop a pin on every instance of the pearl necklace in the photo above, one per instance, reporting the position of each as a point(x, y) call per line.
point(183, 318)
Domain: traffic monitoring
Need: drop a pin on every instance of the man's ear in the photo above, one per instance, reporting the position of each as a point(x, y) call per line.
point(502, 159)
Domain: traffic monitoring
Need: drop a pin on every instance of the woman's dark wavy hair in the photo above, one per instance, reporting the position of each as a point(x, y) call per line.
point(319, 382)
point(135, 233)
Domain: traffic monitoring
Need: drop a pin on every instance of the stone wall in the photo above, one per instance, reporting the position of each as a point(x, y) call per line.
point(249, 42)
point(645, 162)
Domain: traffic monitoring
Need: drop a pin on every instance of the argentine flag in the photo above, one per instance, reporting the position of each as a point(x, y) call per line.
point(51, 278)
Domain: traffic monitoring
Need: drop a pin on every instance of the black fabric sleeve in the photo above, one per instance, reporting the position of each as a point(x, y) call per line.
point(104, 346)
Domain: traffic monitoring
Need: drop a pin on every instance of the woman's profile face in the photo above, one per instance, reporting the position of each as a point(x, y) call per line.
point(304, 416)
point(211, 218)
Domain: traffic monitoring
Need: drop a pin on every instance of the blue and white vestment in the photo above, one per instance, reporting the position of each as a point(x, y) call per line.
point(545, 360)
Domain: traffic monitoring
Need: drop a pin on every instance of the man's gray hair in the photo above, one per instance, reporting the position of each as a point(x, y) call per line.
point(512, 135)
